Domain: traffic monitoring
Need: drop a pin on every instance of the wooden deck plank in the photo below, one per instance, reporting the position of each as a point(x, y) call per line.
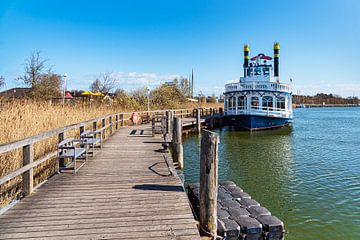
point(122, 193)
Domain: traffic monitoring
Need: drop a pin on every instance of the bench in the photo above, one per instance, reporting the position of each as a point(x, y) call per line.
point(90, 140)
point(68, 149)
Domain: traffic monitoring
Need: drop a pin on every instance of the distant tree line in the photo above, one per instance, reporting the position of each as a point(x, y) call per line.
point(321, 98)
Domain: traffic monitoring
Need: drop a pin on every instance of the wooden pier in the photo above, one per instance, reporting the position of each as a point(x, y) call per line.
point(129, 190)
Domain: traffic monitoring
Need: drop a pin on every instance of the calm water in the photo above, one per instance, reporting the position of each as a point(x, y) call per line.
point(307, 175)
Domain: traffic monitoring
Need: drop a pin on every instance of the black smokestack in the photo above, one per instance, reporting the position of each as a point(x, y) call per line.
point(276, 59)
point(246, 57)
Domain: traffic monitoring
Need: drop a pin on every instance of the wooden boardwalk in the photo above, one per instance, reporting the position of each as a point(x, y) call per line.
point(124, 192)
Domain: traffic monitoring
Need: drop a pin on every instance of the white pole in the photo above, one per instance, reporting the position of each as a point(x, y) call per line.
point(148, 98)
point(64, 91)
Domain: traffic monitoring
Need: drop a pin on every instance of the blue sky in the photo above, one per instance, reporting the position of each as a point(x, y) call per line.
point(147, 42)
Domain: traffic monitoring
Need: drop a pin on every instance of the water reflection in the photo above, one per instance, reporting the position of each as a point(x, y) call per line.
point(259, 162)
point(307, 175)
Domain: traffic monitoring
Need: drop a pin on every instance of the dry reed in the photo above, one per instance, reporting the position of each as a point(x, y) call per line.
point(20, 119)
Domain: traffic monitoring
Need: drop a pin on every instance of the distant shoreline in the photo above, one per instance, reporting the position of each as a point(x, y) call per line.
point(324, 105)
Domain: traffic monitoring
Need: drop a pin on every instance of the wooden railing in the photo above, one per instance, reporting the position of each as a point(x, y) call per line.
point(109, 124)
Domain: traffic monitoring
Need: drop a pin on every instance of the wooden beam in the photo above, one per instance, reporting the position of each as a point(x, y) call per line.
point(26, 168)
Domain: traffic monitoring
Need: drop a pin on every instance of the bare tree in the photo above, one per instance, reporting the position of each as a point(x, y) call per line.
point(104, 84)
point(2, 81)
point(34, 68)
point(44, 83)
point(183, 85)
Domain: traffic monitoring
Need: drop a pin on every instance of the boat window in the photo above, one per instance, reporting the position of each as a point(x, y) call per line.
point(257, 71)
point(241, 102)
point(231, 103)
point(280, 102)
point(267, 102)
point(254, 102)
point(266, 71)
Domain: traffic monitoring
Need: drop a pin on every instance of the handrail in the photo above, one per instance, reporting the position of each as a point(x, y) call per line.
point(6, 147)
point(28, 143)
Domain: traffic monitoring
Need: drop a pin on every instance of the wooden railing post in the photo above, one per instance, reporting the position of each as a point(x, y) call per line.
point(168, 121)
point(28, 176)
point(178, 153)
point(111, 127)
point(61, 138)
point(94, 126)
point(117, 121)
point(153, 126)
point(198, 123)
point(103, 124)
point(209, 181)
point(121, 120)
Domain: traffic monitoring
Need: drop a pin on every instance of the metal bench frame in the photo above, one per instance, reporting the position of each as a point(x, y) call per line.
point(89, 139)
point(67, 149)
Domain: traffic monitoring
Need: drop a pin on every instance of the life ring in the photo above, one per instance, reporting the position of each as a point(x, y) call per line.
point(135, 118)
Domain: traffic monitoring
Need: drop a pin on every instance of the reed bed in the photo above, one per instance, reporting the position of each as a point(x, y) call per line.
point(20, 119)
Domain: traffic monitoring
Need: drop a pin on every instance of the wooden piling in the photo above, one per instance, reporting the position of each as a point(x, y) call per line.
point(212, 118)
point(198, 123)
point(177, 142)
point(221, 113)
point(28, 176)
point(209, 182)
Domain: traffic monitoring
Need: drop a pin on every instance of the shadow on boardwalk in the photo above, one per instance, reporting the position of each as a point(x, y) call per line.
point(115, 195)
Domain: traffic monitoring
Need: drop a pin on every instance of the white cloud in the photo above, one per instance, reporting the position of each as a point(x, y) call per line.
point(127, 80)
point(136, 79)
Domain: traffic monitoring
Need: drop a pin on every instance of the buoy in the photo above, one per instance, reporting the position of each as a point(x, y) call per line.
point(135, 118)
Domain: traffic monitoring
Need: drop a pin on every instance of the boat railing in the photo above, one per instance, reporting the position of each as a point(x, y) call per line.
point(271, 86)
point(263, 111)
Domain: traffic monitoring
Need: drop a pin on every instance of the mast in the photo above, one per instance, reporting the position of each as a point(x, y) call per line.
point(192, 82)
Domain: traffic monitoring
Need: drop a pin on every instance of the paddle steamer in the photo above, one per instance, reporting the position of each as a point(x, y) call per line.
point(259, 100)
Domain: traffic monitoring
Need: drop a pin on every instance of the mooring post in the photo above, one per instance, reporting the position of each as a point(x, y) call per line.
point(178, 154)
point(198, 123)
point(28, 176)
point(209, 181)
point(221, 113)
point(212, 118)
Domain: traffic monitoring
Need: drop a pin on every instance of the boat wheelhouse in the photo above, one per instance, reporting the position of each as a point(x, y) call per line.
point(259, 101)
